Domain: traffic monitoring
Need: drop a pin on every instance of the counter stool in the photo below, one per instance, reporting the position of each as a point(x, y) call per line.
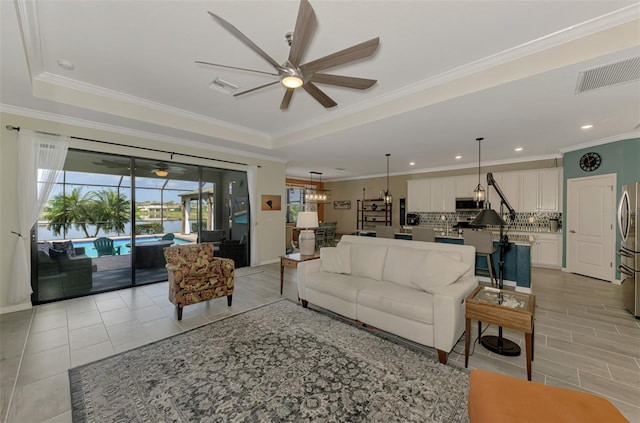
point(385, 232)
point(423, 234)
point(483, 241)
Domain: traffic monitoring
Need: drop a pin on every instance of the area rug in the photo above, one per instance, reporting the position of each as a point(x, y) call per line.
point(276, 363)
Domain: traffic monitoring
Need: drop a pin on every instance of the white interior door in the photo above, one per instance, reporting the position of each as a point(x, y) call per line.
point(590, 226)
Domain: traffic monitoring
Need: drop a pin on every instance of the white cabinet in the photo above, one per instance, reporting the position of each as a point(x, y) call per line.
point(509, 183)
point(546, 250)
point(442, 195)
point(467, 183)
point(540, 190)
point(418, 193)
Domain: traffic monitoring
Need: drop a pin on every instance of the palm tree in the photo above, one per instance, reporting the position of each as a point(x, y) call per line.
point(111, 210)
point(68, 210)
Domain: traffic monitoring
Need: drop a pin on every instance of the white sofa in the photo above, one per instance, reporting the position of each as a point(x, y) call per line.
point(412, 289)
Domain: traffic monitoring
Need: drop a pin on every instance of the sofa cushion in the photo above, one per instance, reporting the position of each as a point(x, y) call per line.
point(67, 246)
point(335, 259)
point(410, 303)
point(58, 254)
point(341, 286)
point(400, 264)
point(436, 271)
point(368, 260)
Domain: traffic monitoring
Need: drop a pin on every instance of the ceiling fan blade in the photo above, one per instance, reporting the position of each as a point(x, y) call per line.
point(239, 35)
point(236, 68)
point(306, 24)
point(256, 88)
point(286, 99)
point(359, 51)
point(343, 81)
point(319, 95)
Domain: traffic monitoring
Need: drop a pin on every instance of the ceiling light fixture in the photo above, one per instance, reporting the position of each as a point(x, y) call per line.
point(388, 198)
point(316, 194)
point(518, 149)
point(412, 163)
point(458, 157)
point(292, 81)
point(478, 193)
point(162, 173)
point(588, 126)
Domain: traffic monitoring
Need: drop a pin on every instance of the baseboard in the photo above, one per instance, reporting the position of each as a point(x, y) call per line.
point(269, 262)
point(524, 289)
point(14, 308)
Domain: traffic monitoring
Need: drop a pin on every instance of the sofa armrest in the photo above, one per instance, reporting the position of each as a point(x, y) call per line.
point(449, 312)
point(305, 268)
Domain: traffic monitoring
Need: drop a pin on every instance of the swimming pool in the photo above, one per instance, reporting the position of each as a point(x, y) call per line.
point(91, 251)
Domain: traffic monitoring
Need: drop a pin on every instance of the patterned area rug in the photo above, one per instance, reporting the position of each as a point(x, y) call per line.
point(276, 363)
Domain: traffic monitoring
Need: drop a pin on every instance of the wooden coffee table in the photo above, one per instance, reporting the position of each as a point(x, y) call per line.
point(292, 260)
point(509, 309)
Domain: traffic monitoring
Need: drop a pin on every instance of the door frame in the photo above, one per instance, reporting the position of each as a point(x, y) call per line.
point(611, 209)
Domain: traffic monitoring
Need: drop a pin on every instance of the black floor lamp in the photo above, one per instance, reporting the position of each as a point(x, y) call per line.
point(489, 217)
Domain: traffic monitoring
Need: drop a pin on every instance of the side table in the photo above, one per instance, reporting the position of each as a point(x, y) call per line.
point(509, 309)
point(291, 261)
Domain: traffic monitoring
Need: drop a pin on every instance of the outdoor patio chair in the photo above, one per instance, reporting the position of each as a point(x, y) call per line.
point(105, 247)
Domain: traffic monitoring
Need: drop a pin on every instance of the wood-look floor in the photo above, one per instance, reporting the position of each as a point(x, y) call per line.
point(585, 340)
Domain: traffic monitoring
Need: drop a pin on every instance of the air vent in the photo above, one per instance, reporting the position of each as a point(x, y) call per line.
point(223, 86)
point(609, 75)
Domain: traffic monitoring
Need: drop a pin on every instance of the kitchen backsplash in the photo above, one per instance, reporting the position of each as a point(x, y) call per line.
point(524, 221)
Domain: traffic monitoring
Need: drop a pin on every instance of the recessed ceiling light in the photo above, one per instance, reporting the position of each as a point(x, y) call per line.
point(519, 149)
point(65, 64)
point(412, 163)
point(458, 157)
point(588, 126)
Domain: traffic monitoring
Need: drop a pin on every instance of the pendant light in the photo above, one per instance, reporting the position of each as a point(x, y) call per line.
point(388, 198)
point(479, 193)
point(314, 194)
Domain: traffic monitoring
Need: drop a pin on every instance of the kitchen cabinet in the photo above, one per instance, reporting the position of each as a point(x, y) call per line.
point(467, 183)
point(509, 183)
point(546, 250)
point(540, 190)
point(372, 213)
point(418, 193)
point(442, 195)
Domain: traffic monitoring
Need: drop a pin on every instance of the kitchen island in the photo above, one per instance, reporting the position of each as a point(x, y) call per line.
point(517, 258)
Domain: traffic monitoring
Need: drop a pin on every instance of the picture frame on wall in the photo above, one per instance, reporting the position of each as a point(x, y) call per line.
point(342, 205)
point(271, 202)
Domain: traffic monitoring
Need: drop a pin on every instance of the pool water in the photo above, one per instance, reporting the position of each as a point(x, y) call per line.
point(91, 251)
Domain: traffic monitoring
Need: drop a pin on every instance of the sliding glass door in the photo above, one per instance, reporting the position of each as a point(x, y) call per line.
point(110, 217)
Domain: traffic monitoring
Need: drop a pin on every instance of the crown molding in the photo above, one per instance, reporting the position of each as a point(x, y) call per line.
point(27, 13)
point(88, 124)
point(595, 143)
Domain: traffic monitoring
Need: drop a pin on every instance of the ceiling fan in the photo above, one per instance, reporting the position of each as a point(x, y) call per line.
point(292, 74)
point(161, 169)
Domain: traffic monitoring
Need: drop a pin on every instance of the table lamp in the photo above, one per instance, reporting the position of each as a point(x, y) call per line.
point(307, 221)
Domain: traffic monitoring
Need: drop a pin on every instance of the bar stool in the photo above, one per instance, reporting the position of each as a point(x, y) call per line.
point(385, 232)
point(423, 234)
point(483, 241)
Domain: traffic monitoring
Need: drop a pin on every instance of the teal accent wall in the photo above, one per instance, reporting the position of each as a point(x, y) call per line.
point(621, 158)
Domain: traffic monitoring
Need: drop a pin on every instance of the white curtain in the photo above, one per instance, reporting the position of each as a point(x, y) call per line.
point(40, 158)
point(254, 204)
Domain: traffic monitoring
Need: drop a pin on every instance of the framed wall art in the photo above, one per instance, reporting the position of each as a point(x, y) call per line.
point(342, 205)
point(271, 202)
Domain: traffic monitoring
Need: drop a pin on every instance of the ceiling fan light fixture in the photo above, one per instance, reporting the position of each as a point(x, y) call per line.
point(162, 173)
point(292, 81)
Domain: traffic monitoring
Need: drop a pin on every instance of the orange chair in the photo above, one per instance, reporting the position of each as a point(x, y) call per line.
point(495, 398)
point(195, 275)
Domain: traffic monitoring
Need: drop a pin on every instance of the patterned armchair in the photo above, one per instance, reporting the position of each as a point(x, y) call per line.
point(196, 275)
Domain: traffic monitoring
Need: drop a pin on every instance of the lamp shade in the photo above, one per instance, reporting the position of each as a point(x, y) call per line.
point(307, 219)
point(488, 217)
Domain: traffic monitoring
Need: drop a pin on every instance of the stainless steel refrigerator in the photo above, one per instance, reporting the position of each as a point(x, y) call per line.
point(628, 212)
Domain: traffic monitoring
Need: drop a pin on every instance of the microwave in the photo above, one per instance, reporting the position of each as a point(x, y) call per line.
point(468, 204)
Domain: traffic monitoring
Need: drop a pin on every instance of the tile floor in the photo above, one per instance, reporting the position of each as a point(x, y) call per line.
point(585, 340)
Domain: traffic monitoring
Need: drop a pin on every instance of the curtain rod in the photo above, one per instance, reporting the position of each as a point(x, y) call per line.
point(17, 128)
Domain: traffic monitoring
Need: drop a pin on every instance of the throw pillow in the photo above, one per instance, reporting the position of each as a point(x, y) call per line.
point(335, 259)
point(58, 254)
point(44, 247)
point(437, 271)
point(66, 246)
